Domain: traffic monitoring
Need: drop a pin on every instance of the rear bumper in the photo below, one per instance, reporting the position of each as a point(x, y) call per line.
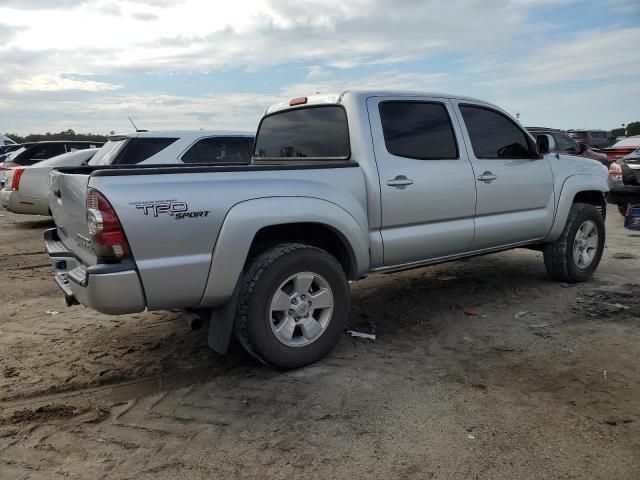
point(112, 289)
point(16, 203)
point(620, 193)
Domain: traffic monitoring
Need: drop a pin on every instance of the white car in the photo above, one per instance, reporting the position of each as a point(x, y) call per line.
point(27, 188)
point(180, 147)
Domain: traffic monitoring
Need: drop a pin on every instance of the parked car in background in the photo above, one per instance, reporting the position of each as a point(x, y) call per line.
point(30, 154)
point(178, 147)
point(565, 144)
point(592, 138)
point(623, 148)
point(26, 189)
point(624, 176)
point(38, 151)
point(339, 186)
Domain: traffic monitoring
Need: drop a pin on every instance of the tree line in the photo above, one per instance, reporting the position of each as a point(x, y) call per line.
point(64, 135)
point(632, 128)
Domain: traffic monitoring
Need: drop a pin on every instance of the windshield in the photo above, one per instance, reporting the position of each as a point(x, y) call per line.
point(628, 142)
point(312, 133)
point(108, 152)
point(69, 159)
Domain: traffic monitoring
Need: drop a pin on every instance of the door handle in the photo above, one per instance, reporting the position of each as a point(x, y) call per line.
point(487, 177)
point(400, 182)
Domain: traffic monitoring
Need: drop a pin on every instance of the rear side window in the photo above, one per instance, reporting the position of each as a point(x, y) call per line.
point(418, 130)
point(37, 153)
point(223, 150)
point(493, 135)
point(139, 149)
point(311, 133)
point(578, 134)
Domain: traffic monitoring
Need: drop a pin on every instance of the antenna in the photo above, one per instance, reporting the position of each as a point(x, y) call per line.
point(134, 125)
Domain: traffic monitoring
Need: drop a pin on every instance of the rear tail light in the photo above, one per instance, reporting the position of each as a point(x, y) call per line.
point(17, 175)
point(615, 170)
point(107, 235)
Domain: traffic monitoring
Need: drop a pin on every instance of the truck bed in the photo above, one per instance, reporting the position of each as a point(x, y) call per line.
point(172, 216)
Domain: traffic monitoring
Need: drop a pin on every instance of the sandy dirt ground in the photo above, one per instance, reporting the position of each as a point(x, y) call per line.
point(481, 369)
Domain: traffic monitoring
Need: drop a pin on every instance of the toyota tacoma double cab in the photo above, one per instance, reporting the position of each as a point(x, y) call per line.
point(339, 186)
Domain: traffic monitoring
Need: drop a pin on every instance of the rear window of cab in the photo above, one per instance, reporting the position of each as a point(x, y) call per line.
point(309, 133)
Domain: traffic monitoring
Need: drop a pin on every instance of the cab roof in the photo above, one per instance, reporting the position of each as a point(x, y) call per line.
point(336, 98)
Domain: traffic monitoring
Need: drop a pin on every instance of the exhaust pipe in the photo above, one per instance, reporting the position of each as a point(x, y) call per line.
point(193, 320)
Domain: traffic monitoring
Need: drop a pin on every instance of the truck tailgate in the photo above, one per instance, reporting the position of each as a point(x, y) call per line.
point(67, 200)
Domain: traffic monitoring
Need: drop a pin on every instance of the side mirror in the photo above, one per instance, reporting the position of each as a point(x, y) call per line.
point(582, 148)
point(545, 143)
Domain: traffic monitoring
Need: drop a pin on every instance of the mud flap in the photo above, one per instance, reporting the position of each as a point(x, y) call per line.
point(221, 322)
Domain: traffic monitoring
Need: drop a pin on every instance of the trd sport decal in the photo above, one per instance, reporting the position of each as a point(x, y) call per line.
point(173, 208)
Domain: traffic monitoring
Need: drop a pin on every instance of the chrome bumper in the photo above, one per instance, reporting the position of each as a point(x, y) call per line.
point(111, 289)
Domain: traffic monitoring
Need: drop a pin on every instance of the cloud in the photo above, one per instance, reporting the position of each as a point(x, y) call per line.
point(317, 73)
point(389, 80)
point(604, 106)
point(40, 4)
point(626, 6)
point(109, 110)
point(145, 16)
point(260, 33)
point(7, 32)
point(110, 8)
point(589, 56)
point(57, 83)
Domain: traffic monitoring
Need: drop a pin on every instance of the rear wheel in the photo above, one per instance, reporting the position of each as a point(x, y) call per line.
point(293, 305)
point(576, 254)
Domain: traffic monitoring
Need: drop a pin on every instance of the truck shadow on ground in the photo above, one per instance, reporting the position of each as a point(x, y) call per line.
point(39, 224)
point(391, 306)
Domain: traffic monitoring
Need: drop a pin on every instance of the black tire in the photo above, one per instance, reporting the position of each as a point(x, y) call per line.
point(558, 256)
point(262, 278)
point(622, 208)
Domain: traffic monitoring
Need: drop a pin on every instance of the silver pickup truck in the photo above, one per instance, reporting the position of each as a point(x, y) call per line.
point(339, 186)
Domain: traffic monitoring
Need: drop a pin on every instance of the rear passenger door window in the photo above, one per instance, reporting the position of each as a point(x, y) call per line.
point(493, 135)
point(427, 188)
point(419, 130)
point(140, 149)
point(221, 150)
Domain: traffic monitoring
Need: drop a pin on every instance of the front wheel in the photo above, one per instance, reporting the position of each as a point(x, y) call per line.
point(293, 305)
point(576, 254)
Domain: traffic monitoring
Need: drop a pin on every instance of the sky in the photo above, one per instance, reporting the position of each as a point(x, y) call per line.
point(191, 64)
